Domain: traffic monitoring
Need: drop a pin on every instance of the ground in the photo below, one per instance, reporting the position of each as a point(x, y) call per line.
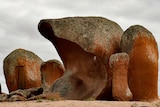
point(75, 103)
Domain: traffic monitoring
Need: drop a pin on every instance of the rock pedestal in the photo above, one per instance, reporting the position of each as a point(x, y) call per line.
point(22, 70)
point(142, 49)
point(119, 66)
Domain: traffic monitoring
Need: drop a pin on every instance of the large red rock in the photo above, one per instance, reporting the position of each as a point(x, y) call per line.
point(51, 71)
point(119, 66)
point(84, 45)
point(22, 70)
point(141, 46)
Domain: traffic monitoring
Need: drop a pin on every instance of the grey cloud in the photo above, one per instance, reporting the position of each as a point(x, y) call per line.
point(145, 10)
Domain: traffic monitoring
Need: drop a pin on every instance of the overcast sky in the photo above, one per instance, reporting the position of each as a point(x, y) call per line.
point(19, 20)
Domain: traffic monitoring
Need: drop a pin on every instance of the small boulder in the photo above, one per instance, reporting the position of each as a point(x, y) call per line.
point(119, 66)
point(3, 97)
point(22, 70)
point(20, 92)
point(22, 95)
point(51, 71)
point(16, 98)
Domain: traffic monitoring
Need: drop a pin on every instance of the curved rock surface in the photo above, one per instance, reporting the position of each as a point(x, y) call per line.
point(142, 49)
point(22, 70)
point(84, 45)
point(50, 71)
point(119, 66)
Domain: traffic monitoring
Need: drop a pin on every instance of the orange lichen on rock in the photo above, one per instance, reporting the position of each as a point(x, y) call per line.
point(142, 49)
point(84, 45)
point(50, 71)
point(22, 70)
point(119, 66)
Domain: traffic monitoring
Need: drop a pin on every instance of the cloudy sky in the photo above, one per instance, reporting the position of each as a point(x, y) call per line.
point(19, 20)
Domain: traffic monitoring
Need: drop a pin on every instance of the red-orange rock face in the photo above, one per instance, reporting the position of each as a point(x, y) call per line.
point(50, 71)
point(141, 46)
point(119, 66)
point(84, 45)
point(22, 70)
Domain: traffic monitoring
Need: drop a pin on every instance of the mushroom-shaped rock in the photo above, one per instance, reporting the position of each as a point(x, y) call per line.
point(119, 66)
point(22, 70)
point(84, 45)
point(142, 49)
point(50, 71)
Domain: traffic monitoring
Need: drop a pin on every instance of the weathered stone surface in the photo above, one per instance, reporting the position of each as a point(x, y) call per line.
point(21, 95)
point(20, 92)
point(141, 46)
point(34, 91)
point(16, 98)
point(84, 45)
point(50, 71)
point(119, 66)
point(48, 96)
point(22, 70)
point(3, 97)
point(27, 93)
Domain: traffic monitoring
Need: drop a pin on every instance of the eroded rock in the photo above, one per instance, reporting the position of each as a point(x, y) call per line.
point(3, 97)
point(21, 95)
point(27, 93)
point(142, 49)
point(119, 66)
point(51, 71)
point(84, 45)
point(22, 70)
point(16, 98)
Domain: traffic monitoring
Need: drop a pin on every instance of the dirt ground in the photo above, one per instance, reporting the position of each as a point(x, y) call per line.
point(75, 103)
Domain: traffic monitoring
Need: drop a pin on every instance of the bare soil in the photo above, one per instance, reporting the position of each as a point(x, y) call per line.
point(75, 103)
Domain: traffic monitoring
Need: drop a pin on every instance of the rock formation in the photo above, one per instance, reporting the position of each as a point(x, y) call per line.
point(84, 45)
point(50, 71)
point(22, 70)
point(21, 95)
point(119, 66)
point(100, 62)
point(142, 49)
